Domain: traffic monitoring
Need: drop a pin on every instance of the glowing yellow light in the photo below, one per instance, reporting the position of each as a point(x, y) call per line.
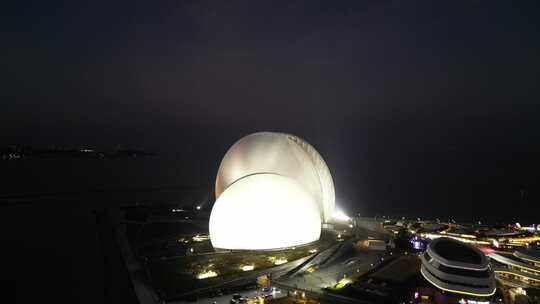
point(247, 267)
point(432, 236)
point(313, 251)
point(200, 238)
point(513, 264)
point(207, 274)
point(530, 260)
point(280, 261)
point(342, 283)
point(530, 239)
point(517, 274)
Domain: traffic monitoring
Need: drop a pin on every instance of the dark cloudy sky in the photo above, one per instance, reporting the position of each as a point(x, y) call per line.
point(412, 103)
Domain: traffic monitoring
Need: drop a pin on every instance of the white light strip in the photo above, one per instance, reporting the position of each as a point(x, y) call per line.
point(457, 291)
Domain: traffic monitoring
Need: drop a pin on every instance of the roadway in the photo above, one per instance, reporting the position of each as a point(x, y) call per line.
point(225, 299)
point(347, 261)
point(330, 266)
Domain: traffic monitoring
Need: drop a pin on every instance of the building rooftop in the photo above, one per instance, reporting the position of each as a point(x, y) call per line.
point(455, 251)
point(530, 254)
point(500, 232)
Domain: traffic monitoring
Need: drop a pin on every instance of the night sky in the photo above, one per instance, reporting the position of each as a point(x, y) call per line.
point(420, 108)
point(415, 106)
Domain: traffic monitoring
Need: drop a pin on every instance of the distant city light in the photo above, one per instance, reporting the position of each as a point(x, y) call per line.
point(417, 243)
point(529, 228)
point(198, 207)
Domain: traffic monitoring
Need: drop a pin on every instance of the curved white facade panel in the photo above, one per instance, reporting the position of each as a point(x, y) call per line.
point(283, 154)
point(264, 211)
point(273, 190)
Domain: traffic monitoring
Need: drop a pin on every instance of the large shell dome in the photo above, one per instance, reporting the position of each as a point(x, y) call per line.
point(273, 190)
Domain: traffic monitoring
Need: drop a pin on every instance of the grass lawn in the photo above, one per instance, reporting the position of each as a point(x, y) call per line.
point(178, 275)
point(400, 270)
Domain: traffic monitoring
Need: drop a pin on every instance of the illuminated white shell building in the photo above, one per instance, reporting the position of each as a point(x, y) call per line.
point(273, 190)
